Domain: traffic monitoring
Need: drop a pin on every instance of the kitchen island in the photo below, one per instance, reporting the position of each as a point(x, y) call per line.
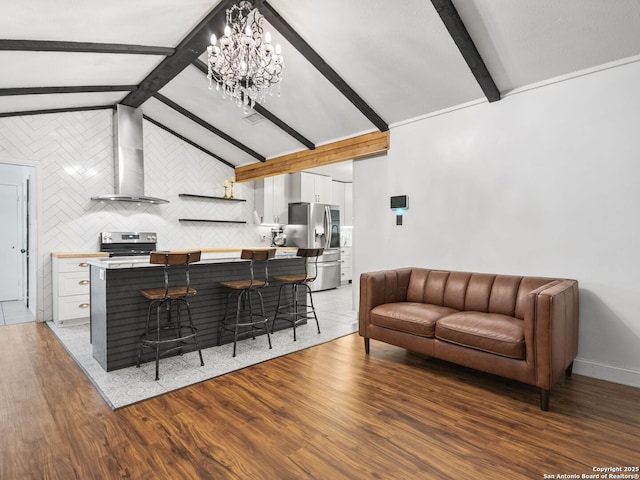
point(118, 311)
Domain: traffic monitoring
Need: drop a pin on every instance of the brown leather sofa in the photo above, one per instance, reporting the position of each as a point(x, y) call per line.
point(522, 328)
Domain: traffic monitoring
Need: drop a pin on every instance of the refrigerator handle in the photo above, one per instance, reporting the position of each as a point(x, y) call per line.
point(327, 227)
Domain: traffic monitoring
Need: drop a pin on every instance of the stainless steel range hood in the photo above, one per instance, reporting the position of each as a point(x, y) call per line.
point(129, 159)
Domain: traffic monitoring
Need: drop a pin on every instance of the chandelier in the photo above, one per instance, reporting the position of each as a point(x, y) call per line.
point(243, 63)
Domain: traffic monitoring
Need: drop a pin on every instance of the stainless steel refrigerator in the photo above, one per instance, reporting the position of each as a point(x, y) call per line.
point(317, 225)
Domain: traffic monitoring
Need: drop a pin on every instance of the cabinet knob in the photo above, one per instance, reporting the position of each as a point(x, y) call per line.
point(83, 305)
point(83, 264)
point(83, 282)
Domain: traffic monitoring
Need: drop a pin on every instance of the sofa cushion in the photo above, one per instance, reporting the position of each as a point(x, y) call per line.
point(489, 332)
point(411, 317)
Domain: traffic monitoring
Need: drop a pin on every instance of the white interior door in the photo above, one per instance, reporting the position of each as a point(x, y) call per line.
point(9, 243)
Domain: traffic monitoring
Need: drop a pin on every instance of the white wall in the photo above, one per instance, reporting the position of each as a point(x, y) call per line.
point(544, 182)
point(73, 157)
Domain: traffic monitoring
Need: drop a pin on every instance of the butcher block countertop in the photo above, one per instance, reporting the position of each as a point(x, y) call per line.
point(203, 250)
point(78, 255)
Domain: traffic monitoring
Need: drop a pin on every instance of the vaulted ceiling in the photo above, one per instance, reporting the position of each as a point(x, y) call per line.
point(351, 67)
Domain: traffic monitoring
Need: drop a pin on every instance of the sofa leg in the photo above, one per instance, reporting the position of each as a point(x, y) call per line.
point(544, 399)
point(366, 345)
point(569, 371)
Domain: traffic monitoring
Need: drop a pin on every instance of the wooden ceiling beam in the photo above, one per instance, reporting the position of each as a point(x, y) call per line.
point(362, 146)
point(451, 19)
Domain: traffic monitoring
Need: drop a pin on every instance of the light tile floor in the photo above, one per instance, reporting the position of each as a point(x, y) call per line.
point(123, 387)
point(13, 312)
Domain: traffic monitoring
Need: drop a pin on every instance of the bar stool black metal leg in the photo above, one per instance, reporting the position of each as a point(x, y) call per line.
point(275, 315)
point(294, 298)
point(159, 338)
point(313, 308)
point(193, 332)
point(251, 315)
point(223, 323)
point(142, 337)
point(237, 326)
point(264, 320)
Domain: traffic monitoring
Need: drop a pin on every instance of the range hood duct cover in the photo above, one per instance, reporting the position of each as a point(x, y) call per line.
point(129, 158)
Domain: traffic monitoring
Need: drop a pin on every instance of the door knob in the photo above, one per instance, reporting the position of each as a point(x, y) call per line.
point(22, 250)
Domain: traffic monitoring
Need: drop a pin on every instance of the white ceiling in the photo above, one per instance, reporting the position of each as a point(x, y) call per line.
point(397, 56)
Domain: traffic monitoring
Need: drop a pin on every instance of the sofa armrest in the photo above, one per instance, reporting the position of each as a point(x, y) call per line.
point(377, 288)
point(551, 329)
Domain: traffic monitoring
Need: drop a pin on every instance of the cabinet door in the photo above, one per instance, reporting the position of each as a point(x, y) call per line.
point(337, 197)
point(259, 195)
point(279, 198)
point(322, 188)
point(308, 187)
point(270, 200)
point(268, 215)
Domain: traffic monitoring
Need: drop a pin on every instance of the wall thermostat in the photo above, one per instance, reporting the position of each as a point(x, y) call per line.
point(399, 204)
point(399, 201)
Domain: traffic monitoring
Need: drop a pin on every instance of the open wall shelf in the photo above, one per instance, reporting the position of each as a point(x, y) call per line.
point(209, 221)
point(207, 197)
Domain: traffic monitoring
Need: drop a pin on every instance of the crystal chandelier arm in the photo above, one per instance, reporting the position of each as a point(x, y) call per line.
point(245, 66)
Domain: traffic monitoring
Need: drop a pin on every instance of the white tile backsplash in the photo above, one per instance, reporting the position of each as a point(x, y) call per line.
point(75, 154)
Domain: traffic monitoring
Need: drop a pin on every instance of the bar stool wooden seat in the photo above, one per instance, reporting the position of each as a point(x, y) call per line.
point(169, 334)
point(294, 312)
point(244, 318)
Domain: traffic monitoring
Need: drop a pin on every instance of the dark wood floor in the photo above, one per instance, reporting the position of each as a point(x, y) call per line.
point(329, 412)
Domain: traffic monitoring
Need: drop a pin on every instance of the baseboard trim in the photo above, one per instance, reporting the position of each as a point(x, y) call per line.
point(610, 373)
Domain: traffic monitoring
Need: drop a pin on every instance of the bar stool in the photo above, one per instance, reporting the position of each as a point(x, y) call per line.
point(170, 334)
point(294, 312)
point(245, 289)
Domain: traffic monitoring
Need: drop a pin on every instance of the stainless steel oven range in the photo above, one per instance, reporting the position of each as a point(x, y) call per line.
point(127, 244)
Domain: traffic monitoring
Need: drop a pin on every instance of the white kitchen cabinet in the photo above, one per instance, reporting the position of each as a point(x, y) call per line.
point(309, 187)
point(346, 265)
point(270, 199)
point(337, 197)
point(342, 195)
point(71, 285)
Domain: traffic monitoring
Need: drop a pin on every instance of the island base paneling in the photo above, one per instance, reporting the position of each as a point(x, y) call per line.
point(118, 311)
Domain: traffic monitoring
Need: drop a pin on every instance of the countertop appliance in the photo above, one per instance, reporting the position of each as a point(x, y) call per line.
point(317, 225)
point(127, 244)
